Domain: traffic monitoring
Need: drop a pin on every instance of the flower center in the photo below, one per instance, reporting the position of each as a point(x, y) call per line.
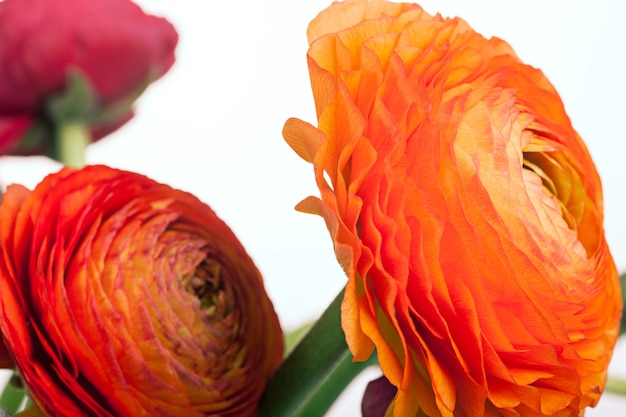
point(544, 167)
point(207, 284)
point(564, 184)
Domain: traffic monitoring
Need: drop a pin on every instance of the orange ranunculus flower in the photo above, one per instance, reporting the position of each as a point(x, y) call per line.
point(466, 212)
point(124, 297)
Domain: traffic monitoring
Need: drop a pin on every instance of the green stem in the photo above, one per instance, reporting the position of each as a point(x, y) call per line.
point(616, 386)
point(71, 141)
point(315, 373)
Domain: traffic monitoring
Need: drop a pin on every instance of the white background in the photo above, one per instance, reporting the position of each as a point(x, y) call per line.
point(212, 126)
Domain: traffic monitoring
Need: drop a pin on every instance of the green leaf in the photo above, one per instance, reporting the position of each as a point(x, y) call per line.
point(315, 373)
point(294, 337)
point(12, 396)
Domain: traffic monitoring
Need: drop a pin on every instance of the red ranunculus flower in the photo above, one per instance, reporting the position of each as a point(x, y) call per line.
point(112, 44)
point(124, 297)
point(466, 212)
